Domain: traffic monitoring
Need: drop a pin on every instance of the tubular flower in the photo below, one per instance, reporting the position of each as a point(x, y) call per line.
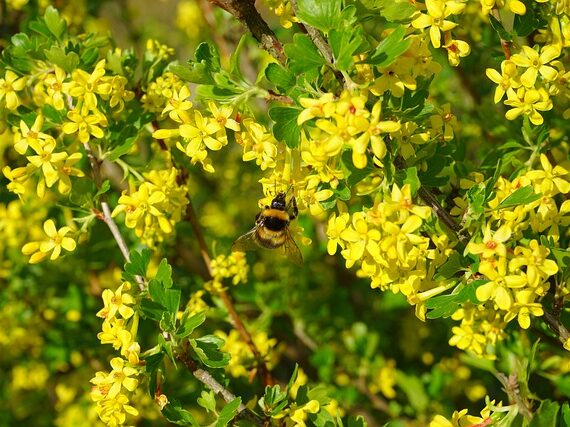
point(456, 49)
point(57, 240)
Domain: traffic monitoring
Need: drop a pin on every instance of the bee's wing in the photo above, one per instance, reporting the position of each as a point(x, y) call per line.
point(291, 250)
point(247, 242)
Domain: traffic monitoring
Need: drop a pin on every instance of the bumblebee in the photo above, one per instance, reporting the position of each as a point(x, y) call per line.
point(271, 229)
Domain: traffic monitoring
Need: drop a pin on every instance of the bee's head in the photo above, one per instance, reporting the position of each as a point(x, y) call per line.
point(279, 201)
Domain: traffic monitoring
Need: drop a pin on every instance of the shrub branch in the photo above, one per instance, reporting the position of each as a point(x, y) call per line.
point(245, 12)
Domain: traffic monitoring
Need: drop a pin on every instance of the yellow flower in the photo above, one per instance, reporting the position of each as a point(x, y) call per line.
point(336, 226)
point(114, 332)
point(117, 302)
point(258, 144)
point(57, 240)
point(535, 64)
point(507, 81)
point(534, 258)
point(178, 105)
point(31, 136)
point(85, 124)
point(456, 49)
point(222, 115)
point(497, 288)
point(528, 102)
point(84, 85)
point(54, 84)
point(524, 307)
point(9, 85)
point(553, 179)
point(47, 161)
point(493, 244)
point(437, 11)
point(120, 377)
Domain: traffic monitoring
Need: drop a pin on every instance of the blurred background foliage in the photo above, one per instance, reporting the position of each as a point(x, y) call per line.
point(366, 347)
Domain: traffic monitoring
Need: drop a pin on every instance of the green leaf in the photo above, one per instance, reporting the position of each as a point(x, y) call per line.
point(524, 25)
point(105, 186)
point(152, 310)
point(172, 302)
point(353, 174)
point(321, 14)
point(207, 400)
point(164, 273)
point(521, 196)
point(293, 377)
point(273, 400)
point(344, 44)
point(356, 421)
point(303, 55)
point(122, 149)
point(54, 22)
point(412, 179)
point(207, 349)
point(414, 389)
point(450, 267)
point(498, 27)
point(228, 412)
point(565, 415)
point(236, 55)
point(188, 324)
point(390, 48)
point(286, 128)
point(174, 413)
point(393, 10)
point(547, 415)
point(67, 61)
point(152, 364)
point(279, 76)
point(138, 263)
point(446, 305)
point(193, 72)
point(157, 292)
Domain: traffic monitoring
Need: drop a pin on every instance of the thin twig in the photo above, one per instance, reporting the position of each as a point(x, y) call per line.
point(207, 379)
point(429, 199)
point(106, 217)
point(322, 45)
point(236, 320)
point(245, 12)
point(558, 328)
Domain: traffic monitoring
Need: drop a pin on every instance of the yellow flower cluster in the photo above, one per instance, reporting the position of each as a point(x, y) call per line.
point(530, 80)
point(516, 270)
point(110, 388)
point(463, 419)
point(242, 358)
point(387, 244)
point(436, 19)
point(284, 10)
point(197, 133)
point(258, 144)
point(233, 266)
point(340, 123)
point(159, 92)
point(155, 207)
point(44, 159)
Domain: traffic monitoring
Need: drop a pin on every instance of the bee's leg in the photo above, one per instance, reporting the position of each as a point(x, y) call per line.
point(292, 208)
